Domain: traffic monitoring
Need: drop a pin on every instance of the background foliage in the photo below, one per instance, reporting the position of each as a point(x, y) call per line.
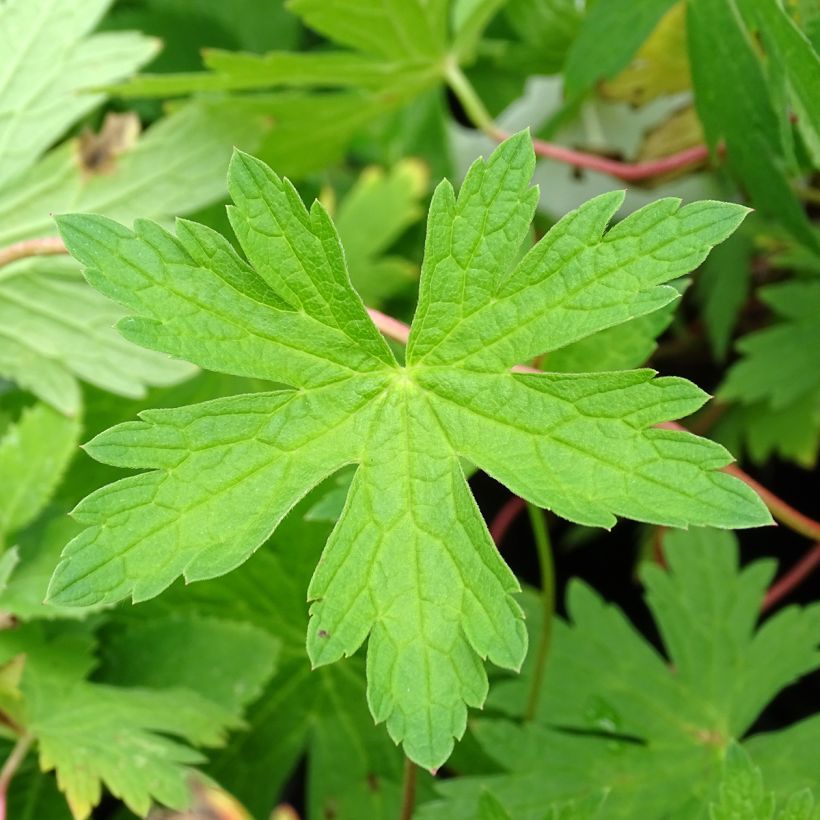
point(670, 673)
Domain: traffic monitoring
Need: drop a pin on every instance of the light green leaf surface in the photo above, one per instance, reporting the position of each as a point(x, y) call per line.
point(176, 166)
point(410, 565)
point(743, 794)
point(55, 330)
point(48, 58)
point(780, 364)
point(34, 453)
point(651, 730)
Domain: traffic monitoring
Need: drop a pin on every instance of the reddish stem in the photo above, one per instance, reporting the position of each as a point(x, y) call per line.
point(392, 328)
point(626, 171)
point(792, 579)
point(504, 518)
point(44, 246)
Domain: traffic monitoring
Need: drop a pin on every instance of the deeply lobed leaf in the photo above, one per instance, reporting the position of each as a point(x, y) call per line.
point(410, 565)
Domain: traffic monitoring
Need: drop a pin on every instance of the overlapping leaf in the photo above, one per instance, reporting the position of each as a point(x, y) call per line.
point(134, 740)
point(54, 330)
point(410, 565)
point(353, 770)
point(47, 58)
point(375, 212)
point(34, 453)
point(781, 363)
point(753, 125)
point(652, 731)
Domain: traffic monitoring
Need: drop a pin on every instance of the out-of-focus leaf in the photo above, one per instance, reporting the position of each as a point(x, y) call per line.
point(791, 51)
point(38, 550)
point(791, 432)
point(614, 714)
point(226, 661)
point(722, 286)
point(736, 108)
point(177, 166)
point(34, 453)
point(781, 363)
point(546, 28)
point(375, 212)
point(660, 66)
point(610, 35)
point(55, 330)
point(47, 60)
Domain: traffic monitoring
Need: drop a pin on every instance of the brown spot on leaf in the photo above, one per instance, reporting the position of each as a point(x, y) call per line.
point(373, 782)
point(98, 153)
point(323, 633)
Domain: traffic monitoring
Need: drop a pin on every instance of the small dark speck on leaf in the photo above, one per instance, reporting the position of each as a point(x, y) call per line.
point(323, 633)
point(373, 782)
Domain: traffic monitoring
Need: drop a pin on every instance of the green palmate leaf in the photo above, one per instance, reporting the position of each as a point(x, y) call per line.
point(34, 453)
point(47, 58)
point(792, 432)
point(782, 363)
point(132, 740)
point(724, 58)
point(410, 564)
point(742, 793)
point(652, 730)
point(609, 36)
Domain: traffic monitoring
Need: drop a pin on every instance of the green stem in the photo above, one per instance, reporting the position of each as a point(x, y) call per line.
point(544, 549)
point(470, 101)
